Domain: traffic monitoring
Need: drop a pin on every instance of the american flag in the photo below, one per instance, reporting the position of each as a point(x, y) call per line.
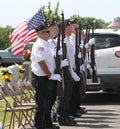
point(25, 33)
point(113, 24)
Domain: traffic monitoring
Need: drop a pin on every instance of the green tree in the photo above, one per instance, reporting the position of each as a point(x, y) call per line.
point(99, 23)
point(49, 13)
point(4, 39)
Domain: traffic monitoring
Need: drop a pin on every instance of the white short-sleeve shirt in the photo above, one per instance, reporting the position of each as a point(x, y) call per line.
point(41, 51)
point(72, 41)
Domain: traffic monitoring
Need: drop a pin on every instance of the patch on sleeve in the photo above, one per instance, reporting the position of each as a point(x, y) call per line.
point(41, 49)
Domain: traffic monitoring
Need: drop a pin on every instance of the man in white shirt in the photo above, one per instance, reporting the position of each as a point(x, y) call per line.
point(42, 67)
point(76, 110)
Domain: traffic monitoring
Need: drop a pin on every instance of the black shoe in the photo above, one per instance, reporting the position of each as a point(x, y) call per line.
point(66, 122)
point(77, 114)
point(71, 117)
point(82, 110)
point(53, 127)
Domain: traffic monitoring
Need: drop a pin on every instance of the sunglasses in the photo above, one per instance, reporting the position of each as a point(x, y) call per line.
point(46, 31)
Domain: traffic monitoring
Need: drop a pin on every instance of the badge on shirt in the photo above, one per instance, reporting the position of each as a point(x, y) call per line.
point(41, 49)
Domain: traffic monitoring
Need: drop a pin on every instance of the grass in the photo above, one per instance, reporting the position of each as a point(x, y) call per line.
point(2, 107)
point(3, 104)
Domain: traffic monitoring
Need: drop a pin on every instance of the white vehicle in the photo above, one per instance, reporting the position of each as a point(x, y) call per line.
point(107, 58)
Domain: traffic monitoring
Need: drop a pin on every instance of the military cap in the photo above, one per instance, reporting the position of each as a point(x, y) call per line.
point(75, 21)
point(67, 22)
point(51, 22)
point(42, 27)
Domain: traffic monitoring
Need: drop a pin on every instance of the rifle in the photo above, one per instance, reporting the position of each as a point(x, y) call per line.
point(78, 62)
point(60, 90)
point(87, 34)
point(93, 64)
point(66, 72)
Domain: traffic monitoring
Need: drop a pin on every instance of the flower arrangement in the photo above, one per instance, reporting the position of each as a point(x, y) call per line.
point(6, 75)
point(27, 54)
point(21, 72)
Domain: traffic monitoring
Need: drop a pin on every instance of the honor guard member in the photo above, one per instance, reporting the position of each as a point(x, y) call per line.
point(75, 77)
point(42, 67)
point(53, 28)
point(76, 110)
point(63, 102)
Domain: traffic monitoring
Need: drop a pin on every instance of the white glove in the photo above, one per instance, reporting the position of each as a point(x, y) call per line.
point(82, 67)
point(64, 63)
point(66, 40)
point(79, 55)
point(75, 76)
point(86, 45)
point(92, 41)
point(82, 45)
point(88, 66)
point(55, 77)
point(60, 52)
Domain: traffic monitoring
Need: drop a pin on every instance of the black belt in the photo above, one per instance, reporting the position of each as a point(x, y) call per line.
point(39, 76)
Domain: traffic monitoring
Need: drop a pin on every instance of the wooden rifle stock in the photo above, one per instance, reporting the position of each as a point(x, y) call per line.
point(58, 57)
point(66, 72)
point(86, 52)
point(60, 91)
point(93, 64)
point(78, 62)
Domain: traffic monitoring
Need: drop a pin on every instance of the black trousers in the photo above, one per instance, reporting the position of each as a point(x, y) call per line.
point(45, 98)
point(63, 102)
point(52, 88)
point(41, 98)
point(75, 101)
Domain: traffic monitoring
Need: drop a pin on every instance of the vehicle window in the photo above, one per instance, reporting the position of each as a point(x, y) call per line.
point(106, 41)
point(28, 46)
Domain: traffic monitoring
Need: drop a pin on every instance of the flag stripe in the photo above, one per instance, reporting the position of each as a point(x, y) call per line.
point(18, 31)
point(32, 35)
point(25, 33)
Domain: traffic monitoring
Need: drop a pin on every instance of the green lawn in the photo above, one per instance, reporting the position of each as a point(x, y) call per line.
point(2, 107)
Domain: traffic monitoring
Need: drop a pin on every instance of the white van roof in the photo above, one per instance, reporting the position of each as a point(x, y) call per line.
point(107, 31)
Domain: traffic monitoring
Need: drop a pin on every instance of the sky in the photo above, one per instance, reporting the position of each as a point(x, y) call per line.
point(13, 12)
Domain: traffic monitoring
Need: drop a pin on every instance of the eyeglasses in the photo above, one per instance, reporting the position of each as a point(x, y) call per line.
point(46, 31)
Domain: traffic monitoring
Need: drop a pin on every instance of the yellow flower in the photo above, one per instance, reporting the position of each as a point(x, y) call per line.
point(21, 72)
point(5, 75)
point(20, 76)
point(21, 69)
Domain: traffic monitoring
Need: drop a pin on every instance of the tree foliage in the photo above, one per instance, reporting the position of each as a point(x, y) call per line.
point(4, 39)
point(99, 23)
point(50, 13)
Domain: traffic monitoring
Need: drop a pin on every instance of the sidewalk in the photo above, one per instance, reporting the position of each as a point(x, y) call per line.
point(97, 117)
point(78, 120)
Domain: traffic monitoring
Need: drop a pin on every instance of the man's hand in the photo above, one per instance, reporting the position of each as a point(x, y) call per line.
point(60, 52)
point(55, 77)
point(75, 76)
point(92, 41)
point(64, 63)
point(66, 40)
